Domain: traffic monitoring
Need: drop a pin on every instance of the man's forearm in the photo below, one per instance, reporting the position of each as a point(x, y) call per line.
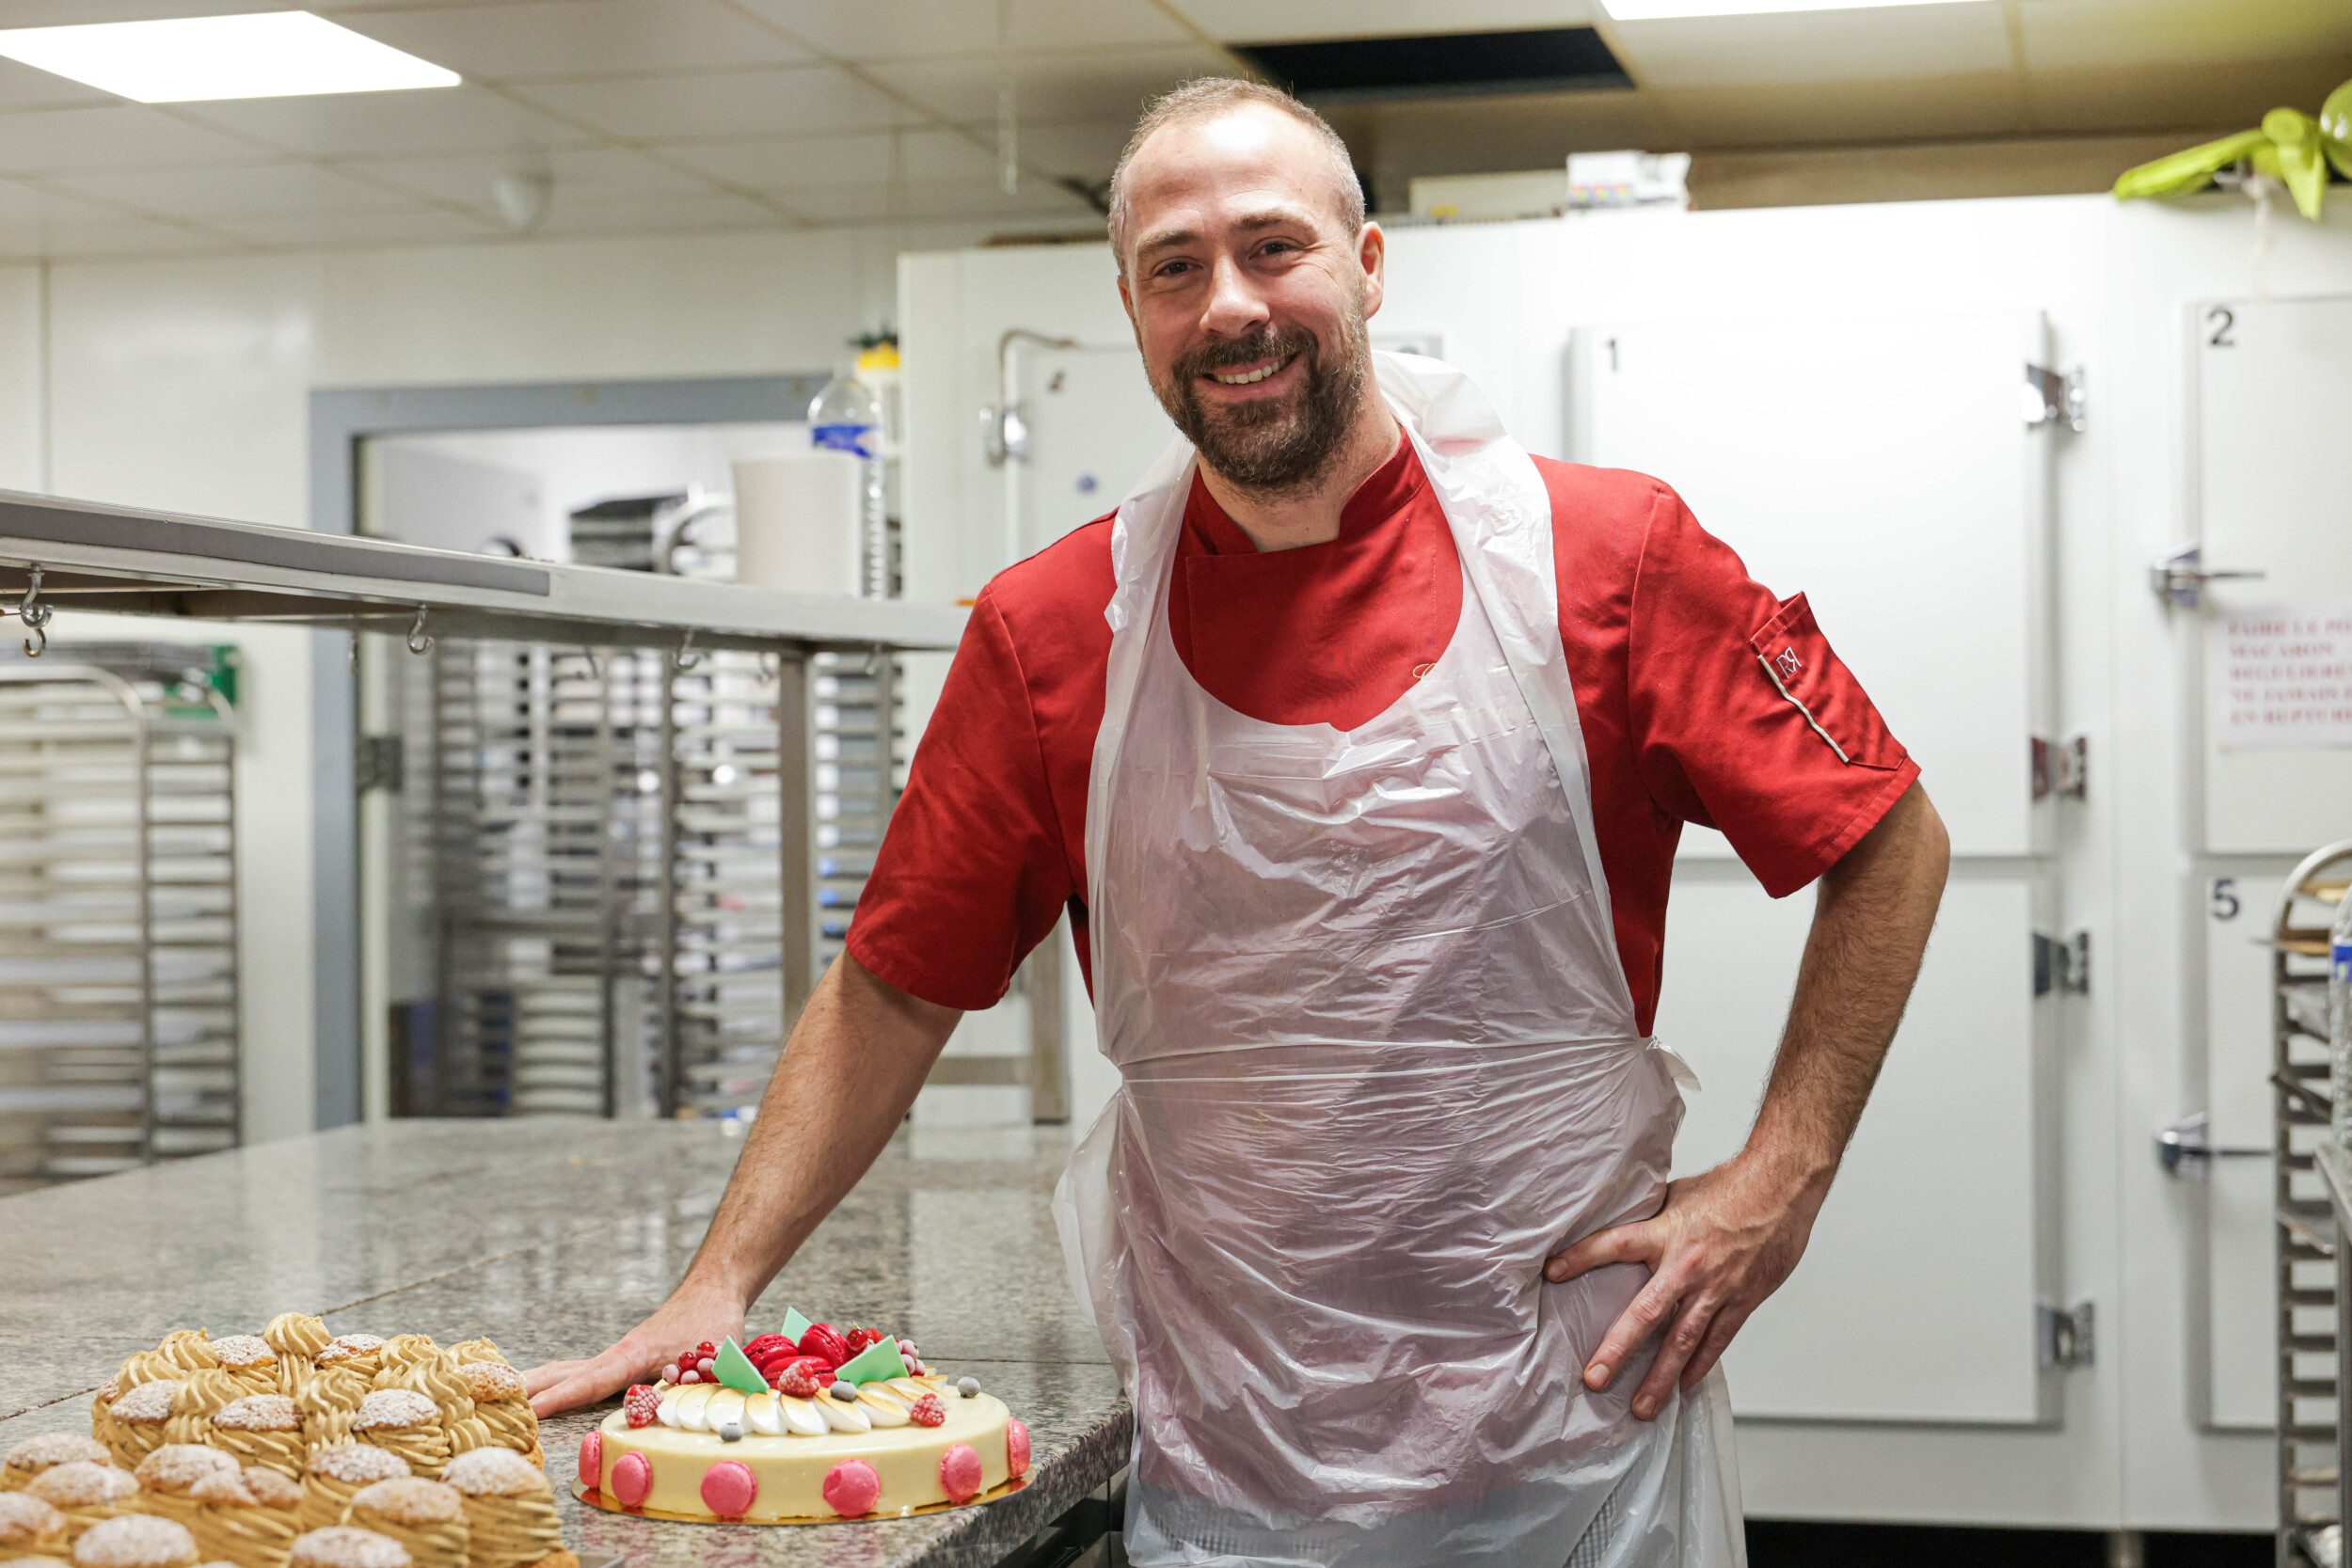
point(1871, 926)
point(857, 1056)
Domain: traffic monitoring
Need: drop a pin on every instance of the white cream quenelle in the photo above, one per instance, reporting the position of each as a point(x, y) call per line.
point(1378, 1060)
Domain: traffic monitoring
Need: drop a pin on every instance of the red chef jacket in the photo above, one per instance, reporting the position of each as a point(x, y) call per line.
point(1702, 697)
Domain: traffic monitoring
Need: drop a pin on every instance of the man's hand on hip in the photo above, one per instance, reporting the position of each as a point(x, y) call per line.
point(1725, 1240)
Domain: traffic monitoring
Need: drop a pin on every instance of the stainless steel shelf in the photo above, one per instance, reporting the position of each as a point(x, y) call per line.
point(129, 562)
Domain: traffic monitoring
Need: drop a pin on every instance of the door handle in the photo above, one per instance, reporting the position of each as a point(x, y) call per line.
point(2184, 1141)
point(2180, 576)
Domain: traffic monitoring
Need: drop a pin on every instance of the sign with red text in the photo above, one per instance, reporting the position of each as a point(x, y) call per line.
point(2287, 677)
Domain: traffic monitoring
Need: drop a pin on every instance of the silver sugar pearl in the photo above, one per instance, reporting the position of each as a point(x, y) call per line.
point(968, 1387)
point(844, 1392)
point(730, 1432)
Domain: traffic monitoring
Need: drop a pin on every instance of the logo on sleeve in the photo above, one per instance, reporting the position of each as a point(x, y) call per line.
point(1787, 662)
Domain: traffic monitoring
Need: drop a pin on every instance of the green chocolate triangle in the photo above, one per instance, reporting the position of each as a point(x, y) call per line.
point(876, 1362)
point(734, 1369)
point(794, 1324)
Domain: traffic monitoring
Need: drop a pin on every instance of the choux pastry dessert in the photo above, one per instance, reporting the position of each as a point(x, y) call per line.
point(262, 1429)
point(30, 1528)
point(168, 1476)
point(135, 1541)
point(502, 1409)
point(338, 1473)
point(87, 1491)
point(36, 1454)
point(137, 1418)
point(407, 1423)
point(348, 1547)
point(248, 1518)
point(426, 1517)
point(510, 1510)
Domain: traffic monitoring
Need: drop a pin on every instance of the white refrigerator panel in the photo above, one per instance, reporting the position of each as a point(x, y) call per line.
point(1884, 468)
point(2272, 491)
point(1916, 1299)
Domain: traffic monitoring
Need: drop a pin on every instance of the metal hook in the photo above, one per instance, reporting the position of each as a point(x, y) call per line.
point(351, 653)
point(595, 665)
point(687, 656)
point(417, 641)
point(873, 661)
point(34, 614)
point(770, 666)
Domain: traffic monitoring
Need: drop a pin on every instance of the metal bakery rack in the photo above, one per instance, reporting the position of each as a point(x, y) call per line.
point(626, 771)
point(2313, 1265)
point(118, 913)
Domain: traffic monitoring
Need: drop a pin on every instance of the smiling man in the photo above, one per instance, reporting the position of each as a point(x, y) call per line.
point(1356, 744)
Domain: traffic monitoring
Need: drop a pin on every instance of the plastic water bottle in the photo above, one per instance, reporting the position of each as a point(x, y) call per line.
point(847, 417)
point(2340, 1021)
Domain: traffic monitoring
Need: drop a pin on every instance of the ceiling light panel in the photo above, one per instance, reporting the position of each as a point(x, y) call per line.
point(190, 59)
point(1652, 10)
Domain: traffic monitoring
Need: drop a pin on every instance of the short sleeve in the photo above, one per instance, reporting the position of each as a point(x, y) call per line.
point(1744, 718)
point(971, 874)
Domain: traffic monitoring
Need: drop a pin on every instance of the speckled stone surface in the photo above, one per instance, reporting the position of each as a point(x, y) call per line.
point(552, 1236)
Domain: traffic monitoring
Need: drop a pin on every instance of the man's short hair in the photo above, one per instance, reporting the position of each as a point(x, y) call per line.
point(1208, 96)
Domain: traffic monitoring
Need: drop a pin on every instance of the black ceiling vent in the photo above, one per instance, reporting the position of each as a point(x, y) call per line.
point(1440, 65)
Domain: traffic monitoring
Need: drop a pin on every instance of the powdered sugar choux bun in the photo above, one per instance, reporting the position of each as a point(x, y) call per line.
point(348, 1547)
point(248, 1518)
point(337, 1474)
point(359, 1353)
point(87, 1491)
point(503, 1408)
point(168, 1476)
point(36, 1454)
point(509, 1508)
point(426, 1517)
point(407, 1423)
point(137, 1418)
point(135, 1541)
point(262, 1429)
point(30, 1528)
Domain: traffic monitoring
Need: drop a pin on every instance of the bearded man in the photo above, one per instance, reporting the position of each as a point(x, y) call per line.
point(1356, 743)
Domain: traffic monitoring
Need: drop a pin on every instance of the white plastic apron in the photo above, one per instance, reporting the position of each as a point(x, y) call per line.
point(1379, 1062)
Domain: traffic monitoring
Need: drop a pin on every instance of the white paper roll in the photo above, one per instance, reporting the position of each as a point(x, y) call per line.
point(796, 522)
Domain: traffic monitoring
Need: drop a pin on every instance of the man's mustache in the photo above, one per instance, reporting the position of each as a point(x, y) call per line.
point(1244, 351)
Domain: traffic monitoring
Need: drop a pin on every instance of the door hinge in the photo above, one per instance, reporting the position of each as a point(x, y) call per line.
point(2062, 964)
point(2061, 768)
point(2064, 1336)
point(2054, 397)
point(377, 764)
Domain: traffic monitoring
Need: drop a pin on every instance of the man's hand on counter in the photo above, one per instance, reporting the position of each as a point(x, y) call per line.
point(1727, 1238)
point(685, 1319)
point(861, 1050)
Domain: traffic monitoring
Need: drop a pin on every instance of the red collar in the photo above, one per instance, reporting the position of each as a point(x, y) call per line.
point(1386, 493)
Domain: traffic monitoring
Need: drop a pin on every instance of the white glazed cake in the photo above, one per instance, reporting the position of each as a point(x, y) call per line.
point(796, 1430)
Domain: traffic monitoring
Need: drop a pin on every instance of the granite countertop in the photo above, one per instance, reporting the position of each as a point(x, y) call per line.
point(553, 1236)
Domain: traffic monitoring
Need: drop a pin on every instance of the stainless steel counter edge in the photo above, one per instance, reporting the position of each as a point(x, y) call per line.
point(129, 561)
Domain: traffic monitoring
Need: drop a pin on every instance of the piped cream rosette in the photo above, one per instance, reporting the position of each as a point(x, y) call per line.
point(428, 1369)
point(707, 1406)
point(467, 1351)
point(329, 1401)
point(248, 1518)
point(30, 1528)
point(403, 1421)
point(509, 1508)
point(338, 1474)
point(203, 1395)
point(262, 1429)
point(168, 1476)
point(504, 1409)
point(363, 1354)
point(426, 1517)
point(51, 1449)
point(297, 1338)
point(87, 1492)
point(250, 1360)
point(135, 1420)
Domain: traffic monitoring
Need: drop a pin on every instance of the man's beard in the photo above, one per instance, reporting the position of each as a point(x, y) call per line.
point(1274, 446)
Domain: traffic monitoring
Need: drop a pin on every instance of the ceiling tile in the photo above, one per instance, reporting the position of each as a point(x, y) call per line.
point(1798, 114)
point(802, 162)
point(1087, 151)
point(102, 241)
point(581, 37)
point(58, 13)
point(22, 87)
point(355, 230)
point(964, 199)
point(887, 29)
point(1816, 46)
point(2093, 34)
point(125, 136)
point(2200, 101)
point(258, 191)
point(657, 214)
point(599, 173)
point(1061, 86)
point(22, 208)
point(745, 104)
point(1398, 142)
point(1284, 21)
point(364, 124)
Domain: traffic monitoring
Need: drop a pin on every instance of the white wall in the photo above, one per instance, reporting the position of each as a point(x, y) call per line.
point(184, 384)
